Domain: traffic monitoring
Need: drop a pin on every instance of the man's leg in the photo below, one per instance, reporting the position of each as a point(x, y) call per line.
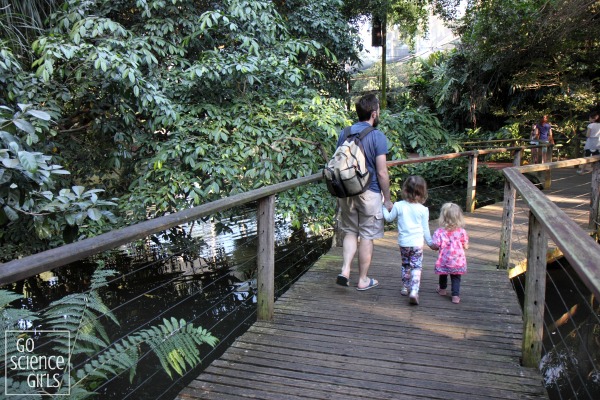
point(365, 253)
point(349, 249)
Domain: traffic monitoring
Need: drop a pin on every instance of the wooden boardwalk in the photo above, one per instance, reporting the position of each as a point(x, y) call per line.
point(331, 342)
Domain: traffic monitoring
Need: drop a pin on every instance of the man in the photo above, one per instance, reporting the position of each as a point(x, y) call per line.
point(361, 215)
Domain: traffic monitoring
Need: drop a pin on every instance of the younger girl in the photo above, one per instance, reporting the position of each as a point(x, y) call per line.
point(413, 225)
point(452, 240)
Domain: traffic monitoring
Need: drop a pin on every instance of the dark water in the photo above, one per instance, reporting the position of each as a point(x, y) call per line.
point(571, 345)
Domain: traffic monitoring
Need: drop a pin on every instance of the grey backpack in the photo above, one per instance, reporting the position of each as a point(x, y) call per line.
point(346, 173)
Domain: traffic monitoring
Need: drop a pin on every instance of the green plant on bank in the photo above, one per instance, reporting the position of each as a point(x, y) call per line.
point(34, 209)
point(88, 349)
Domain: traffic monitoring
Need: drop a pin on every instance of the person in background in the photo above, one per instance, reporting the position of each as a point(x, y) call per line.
point(592, 141)
point(361, 215)
point(452, 240)
point(413, 227)
point(543, 134)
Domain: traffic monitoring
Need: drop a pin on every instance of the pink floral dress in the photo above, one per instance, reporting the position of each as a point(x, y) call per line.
point(452, 259)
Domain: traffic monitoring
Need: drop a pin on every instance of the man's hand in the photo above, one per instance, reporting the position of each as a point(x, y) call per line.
point(388, 205)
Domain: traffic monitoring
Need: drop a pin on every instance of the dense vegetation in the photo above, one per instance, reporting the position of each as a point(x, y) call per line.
point(112, 112)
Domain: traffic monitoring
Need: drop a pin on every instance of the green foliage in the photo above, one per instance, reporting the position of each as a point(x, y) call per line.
point(93, 359)
point(410, 16)
point(164, 105)
point(30, 201)
point(416, 130)
point(517, 60)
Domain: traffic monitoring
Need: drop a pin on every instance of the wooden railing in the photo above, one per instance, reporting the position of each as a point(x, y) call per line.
point(26, 267)
point(473, 157)
point(546, 220)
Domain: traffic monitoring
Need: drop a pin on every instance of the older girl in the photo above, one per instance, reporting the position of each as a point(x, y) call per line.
point(413, 226)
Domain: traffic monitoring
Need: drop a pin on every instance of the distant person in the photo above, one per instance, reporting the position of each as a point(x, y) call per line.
point(413, 227)
point(592, 141)
point(543, 134)
point(533, 141)
point(452, 240)
point(361, 215)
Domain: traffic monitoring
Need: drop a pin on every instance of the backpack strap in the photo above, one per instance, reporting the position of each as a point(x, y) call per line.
point(365, 132)
point(361, 135)
point(346, 132)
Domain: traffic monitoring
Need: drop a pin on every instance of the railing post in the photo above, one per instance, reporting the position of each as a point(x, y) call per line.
point(546, 158)
point(266, 258)
point(517, 157)
point(594, 222)
point(508, 217)
point(535, 293)
point(472, 182)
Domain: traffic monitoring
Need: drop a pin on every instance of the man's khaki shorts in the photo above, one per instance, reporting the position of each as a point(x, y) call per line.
point(362, 215)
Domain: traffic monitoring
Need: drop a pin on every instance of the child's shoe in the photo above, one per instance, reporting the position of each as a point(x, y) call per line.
point(404, 291)
point(414, 297)
point(455, 299)
point(441, 292)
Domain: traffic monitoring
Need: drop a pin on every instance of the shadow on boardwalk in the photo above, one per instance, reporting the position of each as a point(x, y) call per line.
point(331, 342)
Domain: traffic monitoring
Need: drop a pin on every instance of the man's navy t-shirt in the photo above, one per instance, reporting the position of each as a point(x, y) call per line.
point(544, 131)
point(374, 144)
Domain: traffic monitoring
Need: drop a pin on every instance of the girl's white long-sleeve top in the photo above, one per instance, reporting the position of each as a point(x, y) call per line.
point(413, 223)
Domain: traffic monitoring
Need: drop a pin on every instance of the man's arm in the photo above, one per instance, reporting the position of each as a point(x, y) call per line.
point(383, 178)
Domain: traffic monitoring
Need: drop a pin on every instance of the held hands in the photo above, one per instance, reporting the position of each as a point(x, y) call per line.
point(434, 247)
point(388, 205)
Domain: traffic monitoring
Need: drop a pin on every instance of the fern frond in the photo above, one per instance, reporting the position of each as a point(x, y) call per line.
point(75, 393)
point(80, 314)
point(10, 316)
point(101, 276)
point(18, 387)
point(174, 342)
point(7, 297)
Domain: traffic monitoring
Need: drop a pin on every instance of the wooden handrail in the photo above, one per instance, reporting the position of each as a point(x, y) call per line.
point(19, 269)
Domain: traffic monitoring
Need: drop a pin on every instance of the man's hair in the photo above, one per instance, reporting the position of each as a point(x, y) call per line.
point(365, 106)
point(414, 189)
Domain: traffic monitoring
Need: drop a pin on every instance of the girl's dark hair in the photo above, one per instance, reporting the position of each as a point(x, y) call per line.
point(595, 115)
point(414, 189)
